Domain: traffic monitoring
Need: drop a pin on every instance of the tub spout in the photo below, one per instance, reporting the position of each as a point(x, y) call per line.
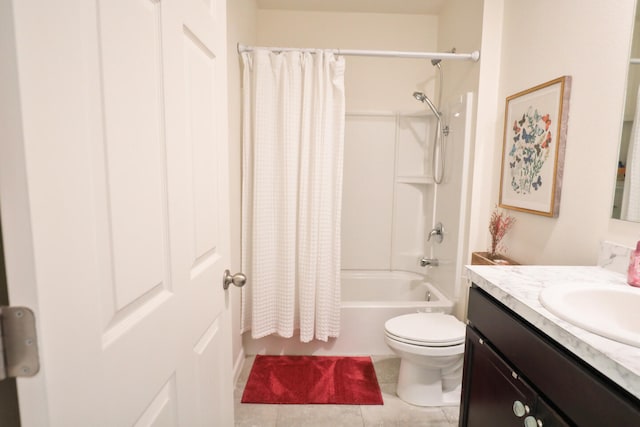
point(429, 261)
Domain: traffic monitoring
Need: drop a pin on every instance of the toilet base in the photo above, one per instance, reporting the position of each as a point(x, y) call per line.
point(421, 386)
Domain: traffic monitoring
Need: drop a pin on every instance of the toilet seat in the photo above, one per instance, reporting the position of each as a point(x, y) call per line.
point(426, 329)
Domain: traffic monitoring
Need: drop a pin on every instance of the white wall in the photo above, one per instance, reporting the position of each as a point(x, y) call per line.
point(241, 28)
point(460, 26)
point(371, 83)
point(535, 42)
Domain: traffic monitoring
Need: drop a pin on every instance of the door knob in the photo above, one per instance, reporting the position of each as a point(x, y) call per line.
point(237, 279)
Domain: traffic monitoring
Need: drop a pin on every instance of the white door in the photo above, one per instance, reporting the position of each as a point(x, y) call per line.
point(113, 196)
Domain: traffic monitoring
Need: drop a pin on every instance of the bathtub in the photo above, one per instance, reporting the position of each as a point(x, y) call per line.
point(369, 299)
point(391, 289)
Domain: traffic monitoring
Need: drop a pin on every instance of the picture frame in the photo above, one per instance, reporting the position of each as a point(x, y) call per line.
point(533, 150)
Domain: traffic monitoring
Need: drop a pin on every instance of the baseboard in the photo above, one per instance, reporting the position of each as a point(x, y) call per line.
point(238, 365)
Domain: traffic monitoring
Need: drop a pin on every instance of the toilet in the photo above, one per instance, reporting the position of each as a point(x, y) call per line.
point(431, 349)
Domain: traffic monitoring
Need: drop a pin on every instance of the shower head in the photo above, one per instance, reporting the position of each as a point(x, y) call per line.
point(424, 99)
point(419, 96)
point(435, 62)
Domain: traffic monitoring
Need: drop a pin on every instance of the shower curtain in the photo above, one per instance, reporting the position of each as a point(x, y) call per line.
point(293, 138)
point(631, 193)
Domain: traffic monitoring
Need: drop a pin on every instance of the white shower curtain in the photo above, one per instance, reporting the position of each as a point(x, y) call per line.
point(293, 138)
point(631, 193)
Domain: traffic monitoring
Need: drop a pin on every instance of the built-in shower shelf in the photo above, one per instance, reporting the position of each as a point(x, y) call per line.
point(416, 179)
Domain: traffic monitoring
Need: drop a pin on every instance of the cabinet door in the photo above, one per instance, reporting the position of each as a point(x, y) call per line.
point(492, 392)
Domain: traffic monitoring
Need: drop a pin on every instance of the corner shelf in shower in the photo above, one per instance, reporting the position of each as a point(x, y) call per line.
point(414, 179)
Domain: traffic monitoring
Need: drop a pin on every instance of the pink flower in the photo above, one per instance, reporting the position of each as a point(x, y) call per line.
point(499, 224)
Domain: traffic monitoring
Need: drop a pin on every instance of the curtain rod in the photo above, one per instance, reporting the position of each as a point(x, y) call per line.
point(473, 56)
point(634, 61)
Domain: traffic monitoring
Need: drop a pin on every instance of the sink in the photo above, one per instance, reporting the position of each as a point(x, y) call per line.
point(609, 311)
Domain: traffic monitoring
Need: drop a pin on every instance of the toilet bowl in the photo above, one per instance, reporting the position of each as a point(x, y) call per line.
point(431, 348)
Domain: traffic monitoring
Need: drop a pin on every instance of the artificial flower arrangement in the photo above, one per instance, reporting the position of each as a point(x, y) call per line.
point(499, 224)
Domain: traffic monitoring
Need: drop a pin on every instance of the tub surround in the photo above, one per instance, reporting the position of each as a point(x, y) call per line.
point(518, 287)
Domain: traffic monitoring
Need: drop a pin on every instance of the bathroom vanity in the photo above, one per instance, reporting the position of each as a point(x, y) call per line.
point(525, 367)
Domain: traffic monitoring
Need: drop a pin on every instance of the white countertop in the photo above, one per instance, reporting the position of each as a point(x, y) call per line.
point(518, 287)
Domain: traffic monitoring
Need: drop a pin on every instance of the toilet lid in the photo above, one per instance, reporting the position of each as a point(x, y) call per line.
point(428, 328)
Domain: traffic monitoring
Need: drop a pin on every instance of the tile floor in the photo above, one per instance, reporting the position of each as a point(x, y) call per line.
point(394, 412)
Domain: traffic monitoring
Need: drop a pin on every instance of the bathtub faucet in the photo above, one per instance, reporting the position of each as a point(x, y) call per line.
point(429, 261)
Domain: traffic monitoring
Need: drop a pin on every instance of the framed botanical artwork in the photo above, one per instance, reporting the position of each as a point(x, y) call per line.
point(535, 131)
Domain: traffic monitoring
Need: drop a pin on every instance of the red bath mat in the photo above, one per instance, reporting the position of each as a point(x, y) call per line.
point(312, 380)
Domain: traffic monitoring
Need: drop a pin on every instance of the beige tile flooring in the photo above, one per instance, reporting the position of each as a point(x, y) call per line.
point(394, 412)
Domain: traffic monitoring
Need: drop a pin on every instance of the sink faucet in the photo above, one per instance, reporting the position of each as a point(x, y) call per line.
point(429, 261)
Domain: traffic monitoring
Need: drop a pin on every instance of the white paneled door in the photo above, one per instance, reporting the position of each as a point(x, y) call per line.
point(113, 200)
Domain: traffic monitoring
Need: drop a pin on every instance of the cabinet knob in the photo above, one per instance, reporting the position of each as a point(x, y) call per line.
point(520, 409)
point(532, 422)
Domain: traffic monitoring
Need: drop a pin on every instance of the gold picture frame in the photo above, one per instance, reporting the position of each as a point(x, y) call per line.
point(535, 133)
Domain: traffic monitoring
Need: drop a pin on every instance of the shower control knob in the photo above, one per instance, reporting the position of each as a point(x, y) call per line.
point(237, 279)
point(437, 231)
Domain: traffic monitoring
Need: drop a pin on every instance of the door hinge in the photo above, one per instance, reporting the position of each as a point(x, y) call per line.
point(18, 343)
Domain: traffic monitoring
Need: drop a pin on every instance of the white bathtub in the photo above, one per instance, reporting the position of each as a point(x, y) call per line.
point(369, 299)
point(391, 289)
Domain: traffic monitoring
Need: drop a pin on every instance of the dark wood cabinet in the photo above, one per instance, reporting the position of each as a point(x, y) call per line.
point(496, 394)
point(514, 375)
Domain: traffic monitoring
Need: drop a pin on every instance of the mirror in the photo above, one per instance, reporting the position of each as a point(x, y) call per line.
point(628, 176)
